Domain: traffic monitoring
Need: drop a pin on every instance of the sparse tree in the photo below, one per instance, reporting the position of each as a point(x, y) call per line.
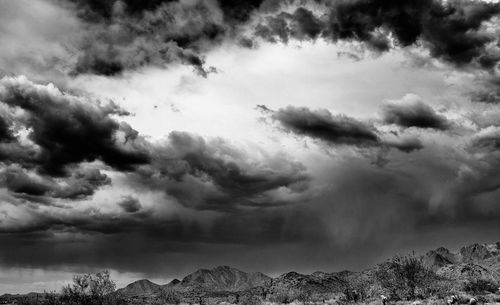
point(404, 276)
point(91, 289)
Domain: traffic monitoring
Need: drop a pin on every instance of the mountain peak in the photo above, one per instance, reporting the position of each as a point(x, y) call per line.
point(478, 252)
point(222, 278)
point(140, 287)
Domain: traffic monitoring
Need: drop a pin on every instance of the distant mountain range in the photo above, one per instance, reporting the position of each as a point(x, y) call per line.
point(477, 261)
point(222, 278)
point(473, 261)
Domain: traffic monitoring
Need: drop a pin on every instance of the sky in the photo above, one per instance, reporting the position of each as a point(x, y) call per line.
point(153, 138)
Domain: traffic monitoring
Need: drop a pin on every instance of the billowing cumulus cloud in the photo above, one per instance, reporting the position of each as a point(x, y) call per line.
point(337, 129)
point(126, 35)
point(411, 111)
point(64, 130)
point(216, 175)
point(82, 183)
point(130, 204)
point(123, 35)
point(450, 30)
point(453, 31)
point(322, 125)
point(301, 24)
point(172, 32)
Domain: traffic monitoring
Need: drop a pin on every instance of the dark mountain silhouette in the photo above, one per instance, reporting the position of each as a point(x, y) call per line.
point(141, 287)
point(479, 252)
point(438, 258)
point(479, 261)
point(476, 261)
point(222, 278)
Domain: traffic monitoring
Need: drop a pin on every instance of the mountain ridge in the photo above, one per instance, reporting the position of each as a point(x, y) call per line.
point(475, 260)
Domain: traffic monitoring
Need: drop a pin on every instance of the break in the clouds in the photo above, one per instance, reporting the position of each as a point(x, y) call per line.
point(377, 125)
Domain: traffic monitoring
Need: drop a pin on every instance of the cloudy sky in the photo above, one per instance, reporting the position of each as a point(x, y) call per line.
point(153, 138)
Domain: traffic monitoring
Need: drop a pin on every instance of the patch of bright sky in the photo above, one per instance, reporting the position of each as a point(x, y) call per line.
point(310, 74)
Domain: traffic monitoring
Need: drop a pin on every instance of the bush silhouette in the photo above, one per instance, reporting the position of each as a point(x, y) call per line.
point(91, 289)
point(480, 286)
point(405, 277)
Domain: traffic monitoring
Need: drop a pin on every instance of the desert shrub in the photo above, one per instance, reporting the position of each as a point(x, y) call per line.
point(250, 300)
point(167, 296)
point(479, 286)
point(91, 289)
point(280, 297)
point(51, 298)
point(441, 288)
point(356, 289)
point(405, 277)
point(352, 295)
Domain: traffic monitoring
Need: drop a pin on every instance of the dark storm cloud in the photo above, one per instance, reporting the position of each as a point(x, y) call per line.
point(305, 25)
point(93, 9)
point(450, 30)
point(412, 112)
point(216, 175)
point(336, 129)
point(81, 184)
point(17, 181)
point(130, 204)
point(125, 35)
point(112, 37)
point(65, 134)
point(322, 125)
point(238, 11)
point(359, 20)
point(234, 11)
point(68, 130)
point(5, 131)
point(299, 25)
